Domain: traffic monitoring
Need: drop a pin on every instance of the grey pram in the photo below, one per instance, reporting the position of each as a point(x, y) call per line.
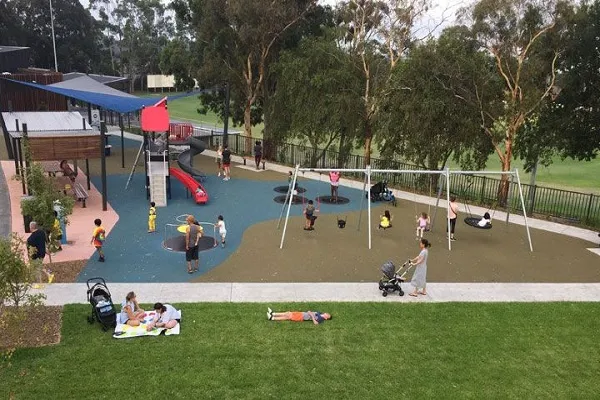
point(392, 279)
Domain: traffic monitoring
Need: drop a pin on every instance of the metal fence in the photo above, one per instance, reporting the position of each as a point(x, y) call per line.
point(555, 204)
point(563, 206)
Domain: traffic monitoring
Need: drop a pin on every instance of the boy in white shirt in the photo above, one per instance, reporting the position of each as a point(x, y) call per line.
point(222, 229)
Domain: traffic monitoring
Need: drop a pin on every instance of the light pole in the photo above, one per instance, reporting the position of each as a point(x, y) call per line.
point(53, 39)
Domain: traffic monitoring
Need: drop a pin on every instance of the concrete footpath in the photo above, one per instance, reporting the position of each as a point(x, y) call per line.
point(5, 213)
point(68, 293)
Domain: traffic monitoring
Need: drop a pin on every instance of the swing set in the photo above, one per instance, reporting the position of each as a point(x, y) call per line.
point(367, 183)
point(474, 221)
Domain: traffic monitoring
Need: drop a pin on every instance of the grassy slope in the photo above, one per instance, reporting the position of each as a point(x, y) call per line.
point(562, 174)
point(368, 350)
point(566, 174)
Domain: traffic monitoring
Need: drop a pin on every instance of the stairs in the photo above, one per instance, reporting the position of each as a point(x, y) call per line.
point(158, 190)
point(157, 172)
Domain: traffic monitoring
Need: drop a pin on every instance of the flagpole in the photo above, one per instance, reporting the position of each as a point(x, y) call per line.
point(53, 37)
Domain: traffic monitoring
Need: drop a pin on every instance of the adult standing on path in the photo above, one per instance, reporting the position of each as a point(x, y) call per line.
point(36, 247)
point(226, 155)
point(192, 236)
point(419, 279)
point(452, 215)
point(258, 152)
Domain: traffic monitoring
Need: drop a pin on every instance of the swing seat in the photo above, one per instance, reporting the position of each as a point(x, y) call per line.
point(474, 222)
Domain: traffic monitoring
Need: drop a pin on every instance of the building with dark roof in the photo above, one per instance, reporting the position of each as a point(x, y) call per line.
point(13, 58)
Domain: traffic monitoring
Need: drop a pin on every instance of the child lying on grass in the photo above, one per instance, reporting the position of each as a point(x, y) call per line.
point(298, 316)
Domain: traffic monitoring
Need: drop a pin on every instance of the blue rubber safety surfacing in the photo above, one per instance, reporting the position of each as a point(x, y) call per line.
point(133, 255)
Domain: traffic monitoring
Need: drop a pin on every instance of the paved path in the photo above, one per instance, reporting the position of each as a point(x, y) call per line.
point(67, 293)
point(5, 218)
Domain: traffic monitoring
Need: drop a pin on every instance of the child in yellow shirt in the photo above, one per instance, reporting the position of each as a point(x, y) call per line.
point(152, 218)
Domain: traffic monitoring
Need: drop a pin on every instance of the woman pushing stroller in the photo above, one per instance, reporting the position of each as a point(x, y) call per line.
point(420, 276)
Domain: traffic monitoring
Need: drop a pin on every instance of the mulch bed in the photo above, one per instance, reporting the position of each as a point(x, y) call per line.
point(41, 327)
point(67, 271)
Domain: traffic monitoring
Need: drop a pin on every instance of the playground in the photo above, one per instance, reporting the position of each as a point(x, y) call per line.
point(327, 254)
point(516, 348)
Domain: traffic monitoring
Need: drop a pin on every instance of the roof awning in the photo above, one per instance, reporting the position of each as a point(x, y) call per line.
point(87, 84)
point(107, 99)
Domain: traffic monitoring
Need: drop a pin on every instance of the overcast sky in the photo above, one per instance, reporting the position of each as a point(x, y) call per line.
point(441, 14)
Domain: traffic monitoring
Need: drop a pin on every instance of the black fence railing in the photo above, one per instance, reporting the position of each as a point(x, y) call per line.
point(556, 204)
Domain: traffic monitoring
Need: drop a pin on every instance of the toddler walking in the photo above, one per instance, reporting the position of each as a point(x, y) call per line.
point(152, 218)
point(222, 229)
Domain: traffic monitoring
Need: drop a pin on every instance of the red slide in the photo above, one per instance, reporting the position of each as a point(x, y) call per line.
point(197, 190)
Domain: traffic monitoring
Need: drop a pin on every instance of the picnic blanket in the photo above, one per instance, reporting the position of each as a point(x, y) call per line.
point(125, 331)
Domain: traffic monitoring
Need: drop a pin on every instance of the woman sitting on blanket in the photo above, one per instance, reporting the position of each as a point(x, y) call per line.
point(166, 317)
point(131, 313)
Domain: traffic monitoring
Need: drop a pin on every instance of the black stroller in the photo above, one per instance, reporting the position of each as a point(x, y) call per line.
point(103, 309)
point(380, 192)
point(392, 278)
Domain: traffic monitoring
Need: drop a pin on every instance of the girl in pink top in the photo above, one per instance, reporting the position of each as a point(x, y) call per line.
point(334, 180)
point(422, 223)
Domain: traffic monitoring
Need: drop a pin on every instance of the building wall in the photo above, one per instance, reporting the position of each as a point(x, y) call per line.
point(15, 97)
point(161, 81)
point(64, 148)
point(13, 58)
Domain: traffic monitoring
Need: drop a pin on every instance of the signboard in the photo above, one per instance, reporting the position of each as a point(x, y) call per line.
point(95, 118)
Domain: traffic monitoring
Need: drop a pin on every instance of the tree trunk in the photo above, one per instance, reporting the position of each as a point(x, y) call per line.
point(505, 179)
point(368, 140)
point(248, 126)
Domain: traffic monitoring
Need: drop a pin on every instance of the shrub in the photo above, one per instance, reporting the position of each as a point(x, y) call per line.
point(17, 274)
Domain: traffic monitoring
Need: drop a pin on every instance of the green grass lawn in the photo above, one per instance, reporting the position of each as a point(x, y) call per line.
point(582, 176)
point(368, 351)
point(186, 109)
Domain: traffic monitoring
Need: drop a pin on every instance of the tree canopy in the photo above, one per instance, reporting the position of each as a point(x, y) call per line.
point(78, 35)
point(513, 78)
point(318, 97)
point(424, 121)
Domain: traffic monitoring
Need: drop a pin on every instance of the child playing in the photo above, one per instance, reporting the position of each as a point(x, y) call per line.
point(334, 181)
point(226, 154)
point(485, 220)
point(385, 220)
point(98, 237)
point(57, 232)
point(219, 160)
point(422, 224)
point(222, 229)
point(152, 218)
point(309, 212)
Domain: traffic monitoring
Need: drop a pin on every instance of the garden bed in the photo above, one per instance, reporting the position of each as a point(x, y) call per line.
point(39, 327)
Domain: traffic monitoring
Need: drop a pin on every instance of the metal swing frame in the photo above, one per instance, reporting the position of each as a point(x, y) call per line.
point(367, 183)
point(513, 174)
